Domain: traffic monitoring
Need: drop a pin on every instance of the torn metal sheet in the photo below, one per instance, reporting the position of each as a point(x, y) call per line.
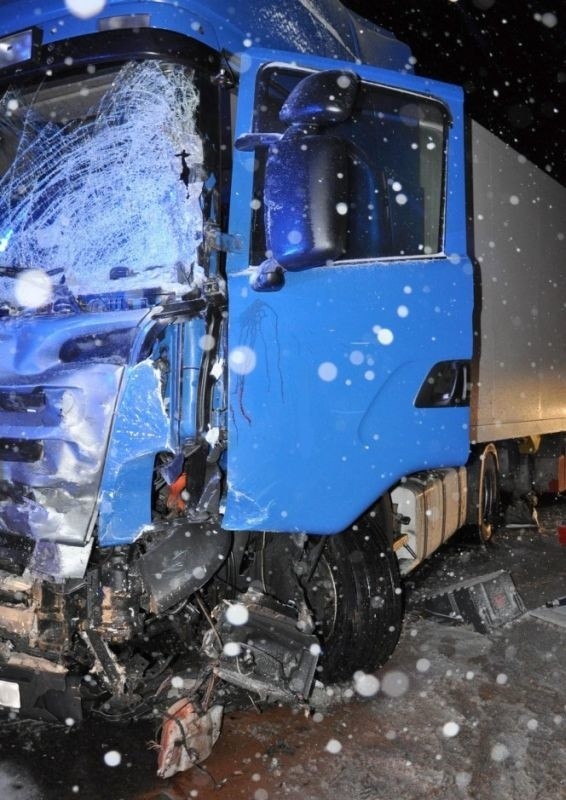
point(187, 737)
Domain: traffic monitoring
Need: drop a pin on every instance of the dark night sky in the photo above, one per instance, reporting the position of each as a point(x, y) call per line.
point(509, 55)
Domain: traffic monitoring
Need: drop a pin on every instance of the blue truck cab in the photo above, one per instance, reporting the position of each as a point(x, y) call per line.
point(235, 318)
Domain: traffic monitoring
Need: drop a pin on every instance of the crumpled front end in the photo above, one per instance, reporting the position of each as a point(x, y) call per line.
point(59, 382)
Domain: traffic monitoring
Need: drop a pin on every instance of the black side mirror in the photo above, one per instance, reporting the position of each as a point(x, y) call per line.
point(322, 99)
point(306, 175)
point(305, 185)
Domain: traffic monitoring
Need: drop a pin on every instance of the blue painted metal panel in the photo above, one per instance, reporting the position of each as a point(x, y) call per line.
point(324, 373)
point(323, 26)
point(322, 418)
point(151, 417)
point(141, 429)
point(193, 332)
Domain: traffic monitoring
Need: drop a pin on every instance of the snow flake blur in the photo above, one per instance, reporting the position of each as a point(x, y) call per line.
point(384, 335)
point(242, 360)
point(32, 289)
point(450, 729)
point(237, 614)
point(327, 371)
point(84, 9)
point(365, 684)
point(395, 683)
point(112, 758)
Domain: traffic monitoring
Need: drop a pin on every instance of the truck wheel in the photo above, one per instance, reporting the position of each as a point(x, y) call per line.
point(351, 584)
point(484, 503)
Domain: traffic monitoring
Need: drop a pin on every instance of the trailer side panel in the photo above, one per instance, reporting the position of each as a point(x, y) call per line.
point(519, 233)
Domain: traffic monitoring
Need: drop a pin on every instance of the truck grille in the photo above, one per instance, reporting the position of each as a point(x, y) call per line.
point(22, 450)
point(16, 400)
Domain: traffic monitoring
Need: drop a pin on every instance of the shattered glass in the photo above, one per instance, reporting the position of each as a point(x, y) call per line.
point(100, 182)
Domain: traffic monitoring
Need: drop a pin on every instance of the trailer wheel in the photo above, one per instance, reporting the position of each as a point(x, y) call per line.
point(484, 504)
point(351, 584)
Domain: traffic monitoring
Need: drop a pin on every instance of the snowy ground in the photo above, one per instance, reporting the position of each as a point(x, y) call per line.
point(458, 714)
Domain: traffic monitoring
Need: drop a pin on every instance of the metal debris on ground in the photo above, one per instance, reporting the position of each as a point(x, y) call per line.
point(187, 737)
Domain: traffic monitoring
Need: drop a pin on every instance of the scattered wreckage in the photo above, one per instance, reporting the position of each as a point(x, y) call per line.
point(236, 353)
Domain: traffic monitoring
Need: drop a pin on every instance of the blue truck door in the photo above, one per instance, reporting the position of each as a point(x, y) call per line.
point(351, 371)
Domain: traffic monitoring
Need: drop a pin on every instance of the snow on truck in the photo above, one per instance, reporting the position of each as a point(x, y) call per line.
point(275, 322)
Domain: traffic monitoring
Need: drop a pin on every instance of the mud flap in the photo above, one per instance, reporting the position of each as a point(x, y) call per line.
point(187, 737)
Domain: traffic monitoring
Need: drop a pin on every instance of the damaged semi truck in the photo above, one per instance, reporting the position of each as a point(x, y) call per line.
point(275, 322)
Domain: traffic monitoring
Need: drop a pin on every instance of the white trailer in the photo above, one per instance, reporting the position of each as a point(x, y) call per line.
point(519, 243)
point(517, 229)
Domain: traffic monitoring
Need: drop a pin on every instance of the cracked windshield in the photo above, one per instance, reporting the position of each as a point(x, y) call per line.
point(100, 184)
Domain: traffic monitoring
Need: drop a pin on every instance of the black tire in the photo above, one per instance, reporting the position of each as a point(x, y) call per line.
point(353, 590)
point(484, 493)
